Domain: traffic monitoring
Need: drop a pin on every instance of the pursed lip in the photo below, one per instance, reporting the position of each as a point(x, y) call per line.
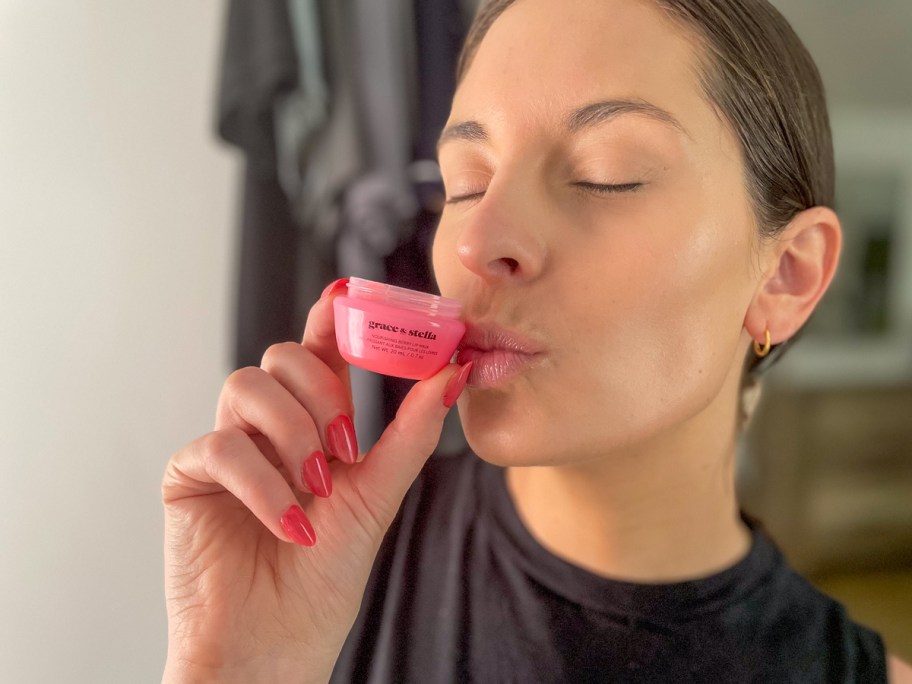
point(498, 353)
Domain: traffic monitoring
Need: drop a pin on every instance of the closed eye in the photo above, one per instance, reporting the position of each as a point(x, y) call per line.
point(463, 198)
point(585, 186)
point(600, 189)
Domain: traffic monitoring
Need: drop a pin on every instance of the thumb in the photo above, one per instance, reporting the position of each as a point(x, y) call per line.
point(393, 463)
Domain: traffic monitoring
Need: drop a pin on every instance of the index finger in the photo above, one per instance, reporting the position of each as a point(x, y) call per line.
point(320, 332)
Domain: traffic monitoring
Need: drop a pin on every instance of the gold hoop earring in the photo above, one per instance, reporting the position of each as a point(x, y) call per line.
point(765, 349)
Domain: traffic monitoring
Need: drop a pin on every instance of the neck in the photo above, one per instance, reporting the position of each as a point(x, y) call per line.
point(661, 513)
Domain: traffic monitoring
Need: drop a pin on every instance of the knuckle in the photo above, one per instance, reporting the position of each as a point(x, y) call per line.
point(314, 310)
point(399, 436)
point(300, 433)
point(395, 432)
point(303, 429)
point(257, 489)
point(319, 325)
point(279, 354)
point(426, 444)
point(169, 476)
point(241, 380)
point(221, 446)
point(404, 430)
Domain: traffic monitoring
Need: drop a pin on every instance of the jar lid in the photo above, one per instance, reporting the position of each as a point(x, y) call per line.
point(423, 302)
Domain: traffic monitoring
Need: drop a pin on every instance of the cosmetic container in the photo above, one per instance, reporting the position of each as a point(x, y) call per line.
point(396, 331)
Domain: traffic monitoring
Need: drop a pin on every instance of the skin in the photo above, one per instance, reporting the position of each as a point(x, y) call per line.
point(618, 445)
point(245, 603)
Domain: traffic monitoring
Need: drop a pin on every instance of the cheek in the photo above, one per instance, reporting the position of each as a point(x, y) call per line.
point(682, 273)
point(659, 333)
point(708, 284)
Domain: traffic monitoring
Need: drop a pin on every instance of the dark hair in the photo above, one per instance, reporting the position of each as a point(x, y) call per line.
point(759, 75)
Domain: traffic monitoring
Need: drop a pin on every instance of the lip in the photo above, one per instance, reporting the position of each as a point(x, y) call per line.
point(498, 354)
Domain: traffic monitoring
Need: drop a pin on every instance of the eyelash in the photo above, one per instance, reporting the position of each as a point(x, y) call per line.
point(583, 186)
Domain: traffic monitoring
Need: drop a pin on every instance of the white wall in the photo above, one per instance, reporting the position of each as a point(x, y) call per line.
point(116, 247)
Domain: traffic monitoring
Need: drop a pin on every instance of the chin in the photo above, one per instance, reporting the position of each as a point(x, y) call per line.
point(508, 441)
point(496, 440)
point(507, 433)
point(506, 456)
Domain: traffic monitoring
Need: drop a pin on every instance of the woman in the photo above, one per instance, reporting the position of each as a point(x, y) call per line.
point(638, 197)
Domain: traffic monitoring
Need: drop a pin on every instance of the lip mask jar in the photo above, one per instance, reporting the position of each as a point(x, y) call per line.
point(396, 331)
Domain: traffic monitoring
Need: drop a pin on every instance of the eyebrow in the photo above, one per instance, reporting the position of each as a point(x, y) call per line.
point(586, 116)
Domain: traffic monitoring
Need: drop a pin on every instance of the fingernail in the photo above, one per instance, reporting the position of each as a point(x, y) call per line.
point(297, 526)
point(456, 385)
point(333, 286)
point(316, 474)
point(340, 436)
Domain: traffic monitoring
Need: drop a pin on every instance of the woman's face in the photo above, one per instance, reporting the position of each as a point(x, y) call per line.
point(637, 296)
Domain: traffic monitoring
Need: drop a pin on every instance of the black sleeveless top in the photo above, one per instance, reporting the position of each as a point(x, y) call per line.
point(462, 592)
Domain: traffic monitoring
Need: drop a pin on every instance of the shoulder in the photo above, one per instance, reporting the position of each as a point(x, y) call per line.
point(898, 672)
point(816, 630)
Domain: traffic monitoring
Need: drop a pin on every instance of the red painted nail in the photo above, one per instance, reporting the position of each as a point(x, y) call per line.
point(316, 474)
point(340, 437)
point(297, 526)
point(333, 286)
point(456, 385)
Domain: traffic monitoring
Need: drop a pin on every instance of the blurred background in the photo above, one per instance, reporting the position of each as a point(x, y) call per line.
point(159, 229)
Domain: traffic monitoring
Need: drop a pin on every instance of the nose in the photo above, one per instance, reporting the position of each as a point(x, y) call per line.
point(500, 239)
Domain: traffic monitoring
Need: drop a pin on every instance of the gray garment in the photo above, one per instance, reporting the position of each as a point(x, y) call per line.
point(345, 148)
point(300, 114)
point(385, 54)
point(379, 207)
point(335, 156)
point(344, 139)
point(300, 117)
point(330, 158)
point(259, 66)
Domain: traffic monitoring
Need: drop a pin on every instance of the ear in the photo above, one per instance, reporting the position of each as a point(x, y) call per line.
point(798, 266)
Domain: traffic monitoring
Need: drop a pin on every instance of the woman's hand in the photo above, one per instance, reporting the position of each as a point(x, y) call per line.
point(264, 572)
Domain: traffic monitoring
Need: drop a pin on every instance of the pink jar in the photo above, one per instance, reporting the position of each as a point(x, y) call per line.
point(396, 331)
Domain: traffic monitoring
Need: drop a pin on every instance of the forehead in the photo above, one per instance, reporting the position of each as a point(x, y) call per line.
point(542, 57)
